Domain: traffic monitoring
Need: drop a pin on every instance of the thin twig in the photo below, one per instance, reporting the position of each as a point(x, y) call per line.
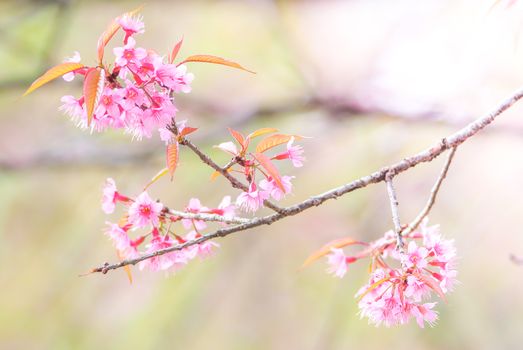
point(427, 155)
point(433, 193)
point(209, 217)
point(394, 210)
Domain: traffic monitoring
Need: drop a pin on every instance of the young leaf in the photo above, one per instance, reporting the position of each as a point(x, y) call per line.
point(240, 138)
point(93, 87)
point(175, 51)
point(53, 73)
point(215, 60)
point(111, 30)
point(373, 286)
point(266, 163)
point(187, 130)
point(326, 249)
point(273, 141)
point(172, 158)
point(260, 132)
point(156, 177)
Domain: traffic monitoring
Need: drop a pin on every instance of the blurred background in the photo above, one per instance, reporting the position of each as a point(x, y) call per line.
point(372, 81)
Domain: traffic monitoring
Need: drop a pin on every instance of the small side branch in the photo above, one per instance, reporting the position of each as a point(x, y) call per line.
point(433, 193)
point(209, 217)
point(394, 210)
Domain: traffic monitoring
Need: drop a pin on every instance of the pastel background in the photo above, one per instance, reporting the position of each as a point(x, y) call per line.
point(372, 81)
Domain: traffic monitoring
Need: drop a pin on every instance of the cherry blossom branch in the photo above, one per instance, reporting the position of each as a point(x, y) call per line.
point(433, 193)
point(394, 209)
point(427, 155)
point(209, 217)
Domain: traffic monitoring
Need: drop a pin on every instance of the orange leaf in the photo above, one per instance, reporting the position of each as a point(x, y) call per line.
point(175, 51)
point(156, 177)
point(187, 130)
point(373, 286)
point(111, 30)
point(215, 174)
point(273, 141)
point(172, 158)
point(53, 73)
point(215, 60)
point(127, 268)
point(240, 138)
point(93, 87)
point(326, 249)
point(260, 132)
point(266, 163)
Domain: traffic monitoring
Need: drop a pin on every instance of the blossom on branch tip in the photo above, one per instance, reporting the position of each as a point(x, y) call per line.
point(144, 211)
point(131, 25)
point(337, 262)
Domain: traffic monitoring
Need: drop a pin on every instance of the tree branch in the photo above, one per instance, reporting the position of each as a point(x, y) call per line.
point(427, 155)
point(394, 209)
point(209, 217)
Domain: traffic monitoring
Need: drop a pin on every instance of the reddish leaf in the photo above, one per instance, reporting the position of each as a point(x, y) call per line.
point(93, 87)
point(273, 141)
point(215, 60)
point(260, 132)
point(326, 249)
point(434, 286)
point(175, 51)
point(111, 30)
point(187, 130)
point(240, 138)
point(172, 158)
point(53, 73)
point(266, 163)
point(127, 268)
point(156, 177)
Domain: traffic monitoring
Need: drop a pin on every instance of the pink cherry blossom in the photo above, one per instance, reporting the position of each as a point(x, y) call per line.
point(144, 211)
point(109, 196)
point(173, 260)
point(195, 207)
point(73, 107)
point(121, 241)
point(131, 25)
point(295, 153)
point(74, 59)
point(337, 262)
point(175, 77)
point(202, 250)
point(251, 200)
point(415, 256)
point(424, 313)
point(227, 209)
point(270, 187)
point(128, 54)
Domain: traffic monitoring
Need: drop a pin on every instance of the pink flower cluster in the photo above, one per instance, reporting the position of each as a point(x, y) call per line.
point(143, 213)
point(137, 92)
point(398, 290)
